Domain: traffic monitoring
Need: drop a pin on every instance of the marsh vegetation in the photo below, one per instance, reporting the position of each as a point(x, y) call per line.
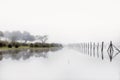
point(24, 40)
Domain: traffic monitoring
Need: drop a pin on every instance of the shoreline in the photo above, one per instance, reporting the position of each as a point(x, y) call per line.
point(25, 48)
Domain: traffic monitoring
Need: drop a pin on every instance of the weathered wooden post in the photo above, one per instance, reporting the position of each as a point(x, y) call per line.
point(98, 50)
point(81, 48)
point(110, 51)
point(102, 47)
point(94, 49)
point(90, 49)
point(86, 48)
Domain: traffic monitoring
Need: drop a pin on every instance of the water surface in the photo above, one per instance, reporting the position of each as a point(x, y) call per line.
point(55, 64)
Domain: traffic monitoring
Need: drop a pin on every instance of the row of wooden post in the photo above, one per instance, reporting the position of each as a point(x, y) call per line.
point(97, 50)
point(92, 48)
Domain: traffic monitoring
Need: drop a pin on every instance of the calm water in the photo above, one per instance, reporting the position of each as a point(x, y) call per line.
point(55, 64)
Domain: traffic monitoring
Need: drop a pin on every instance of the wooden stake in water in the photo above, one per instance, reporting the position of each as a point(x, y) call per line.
point(98, 50)
point(86, 48)
point(102, 47)
point(110, 51)
point(90, 49)
point(81, 47)
point(94, 49)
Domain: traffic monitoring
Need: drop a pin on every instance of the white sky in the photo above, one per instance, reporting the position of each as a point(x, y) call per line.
point(63, 20)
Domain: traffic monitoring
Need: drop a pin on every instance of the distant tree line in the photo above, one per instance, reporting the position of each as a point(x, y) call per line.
point(17, 38)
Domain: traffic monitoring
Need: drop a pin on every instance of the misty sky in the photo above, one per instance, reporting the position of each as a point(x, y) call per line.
point(63, 20)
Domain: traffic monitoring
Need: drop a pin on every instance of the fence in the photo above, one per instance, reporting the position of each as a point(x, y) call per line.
point(98, 49)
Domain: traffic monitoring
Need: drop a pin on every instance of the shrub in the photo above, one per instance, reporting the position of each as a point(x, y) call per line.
point(16, 45)
point(10, 46)
point(1, 45)
point(36, 45)
point(45, 45)
point(31, 45)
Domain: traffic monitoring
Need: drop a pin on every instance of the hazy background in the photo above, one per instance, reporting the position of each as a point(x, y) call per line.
point(64, 21)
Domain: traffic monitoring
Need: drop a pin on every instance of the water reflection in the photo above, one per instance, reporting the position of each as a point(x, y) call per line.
point(26, 53)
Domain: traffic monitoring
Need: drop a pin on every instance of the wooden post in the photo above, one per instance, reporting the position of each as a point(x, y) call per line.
point(90, 49)
point(98, 50)
point(94, 49)
point(102, 47)
point(86, 48)
point(82, 47)
point(110, 51)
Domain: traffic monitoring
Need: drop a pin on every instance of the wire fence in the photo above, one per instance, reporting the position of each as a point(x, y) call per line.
point(99, 50)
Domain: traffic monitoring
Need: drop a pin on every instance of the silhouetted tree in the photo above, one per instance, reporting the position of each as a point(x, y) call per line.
point(7, 34)
point(43, 39)
point(26, 36)
point(15, 35)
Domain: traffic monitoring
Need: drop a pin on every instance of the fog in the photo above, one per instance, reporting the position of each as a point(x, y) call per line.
point(65, 64)
point(65, 21)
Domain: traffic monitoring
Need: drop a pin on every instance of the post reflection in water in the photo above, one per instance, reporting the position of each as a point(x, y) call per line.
point(26, 53)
